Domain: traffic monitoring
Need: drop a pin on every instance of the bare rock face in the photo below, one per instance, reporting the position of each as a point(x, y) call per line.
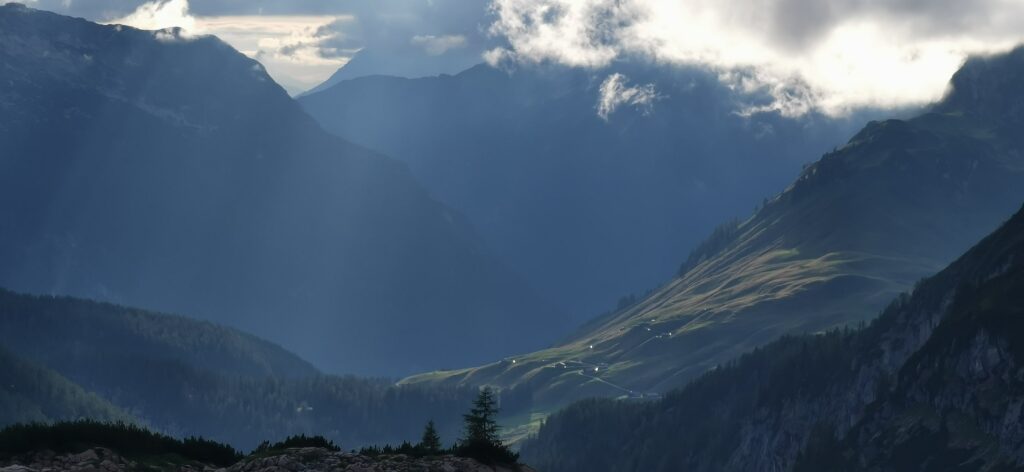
point(291, 460)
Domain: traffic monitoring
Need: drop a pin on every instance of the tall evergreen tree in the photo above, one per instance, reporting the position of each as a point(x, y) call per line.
point(430, 444)
point(481, 441)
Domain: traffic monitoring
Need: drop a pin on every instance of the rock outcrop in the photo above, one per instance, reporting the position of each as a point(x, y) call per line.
point(291, 460)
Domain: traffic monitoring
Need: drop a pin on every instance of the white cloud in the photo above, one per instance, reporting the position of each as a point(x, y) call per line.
point(829, 55)
point(289, 46)
point(615, 92)
point(160, 14)
point(437, 45)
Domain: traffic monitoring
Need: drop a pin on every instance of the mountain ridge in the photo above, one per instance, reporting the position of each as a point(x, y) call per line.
point(166, 171)
point(590, 204)
point(929, 384)
point(855, 229)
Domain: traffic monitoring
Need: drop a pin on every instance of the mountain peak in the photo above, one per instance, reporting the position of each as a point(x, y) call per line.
point(988, 86)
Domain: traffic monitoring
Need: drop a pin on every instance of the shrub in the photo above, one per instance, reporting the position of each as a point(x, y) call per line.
point(126, 439)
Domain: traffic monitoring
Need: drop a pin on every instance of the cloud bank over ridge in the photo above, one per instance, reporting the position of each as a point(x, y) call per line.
point(826, 55)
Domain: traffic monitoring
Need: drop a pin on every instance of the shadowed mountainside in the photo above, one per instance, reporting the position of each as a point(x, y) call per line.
point(160, 170)
point(860, 226)
point(933, 384)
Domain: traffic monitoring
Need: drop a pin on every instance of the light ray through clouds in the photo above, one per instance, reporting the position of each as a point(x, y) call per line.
point(842, 53)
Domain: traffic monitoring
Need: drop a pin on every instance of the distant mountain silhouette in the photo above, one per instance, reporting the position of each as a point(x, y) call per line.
point(70, 358)
point(170, 172)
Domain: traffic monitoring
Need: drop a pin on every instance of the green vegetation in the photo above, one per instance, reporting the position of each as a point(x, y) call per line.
point(916, 402)
point(53, 331)
point(266, 447)
point(430, 443)
point(75, 359)
point(481, 440)
point(32, 393)
point(857, 228)
point(127, 439)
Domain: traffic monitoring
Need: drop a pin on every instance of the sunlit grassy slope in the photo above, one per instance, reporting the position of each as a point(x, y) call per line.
point(864, 223)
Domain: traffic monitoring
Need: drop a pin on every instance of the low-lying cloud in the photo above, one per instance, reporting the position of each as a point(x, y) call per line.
point(437, 45)
point(826, 55)
point(616, 92)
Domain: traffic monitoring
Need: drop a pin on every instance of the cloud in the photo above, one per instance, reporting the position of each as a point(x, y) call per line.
point(160, 14)
point(437, 45)
point(289, 46)
point(615, 92)
point(302, 42)
point(827, 55)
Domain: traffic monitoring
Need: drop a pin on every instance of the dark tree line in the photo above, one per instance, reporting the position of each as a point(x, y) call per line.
point(480, 439)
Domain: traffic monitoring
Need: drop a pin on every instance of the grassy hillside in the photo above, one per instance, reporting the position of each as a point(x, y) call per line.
point(861, 225)
point(933, 384)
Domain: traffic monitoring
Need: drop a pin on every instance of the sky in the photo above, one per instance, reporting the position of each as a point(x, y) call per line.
point(825, 55)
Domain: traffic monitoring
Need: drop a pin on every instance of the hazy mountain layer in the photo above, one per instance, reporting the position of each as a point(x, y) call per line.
point(32, 393)
point(590, 208)
point(858, 227)
point(83, 359)
point(170, 172)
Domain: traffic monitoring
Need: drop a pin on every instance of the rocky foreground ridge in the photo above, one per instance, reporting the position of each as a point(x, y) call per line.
point(290, 460)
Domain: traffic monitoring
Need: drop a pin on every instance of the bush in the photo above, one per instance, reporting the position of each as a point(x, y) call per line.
point(297, 441)
point(126, 439)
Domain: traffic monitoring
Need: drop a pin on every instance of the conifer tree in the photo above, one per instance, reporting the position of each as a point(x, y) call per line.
point(430, 444)
point(482, 441)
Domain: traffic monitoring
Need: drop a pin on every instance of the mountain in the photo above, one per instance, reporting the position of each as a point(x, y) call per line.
point(73, 335)
point(166, 171)
point(933, 384)
point(897, 203)
point(407, 61)
point(65, 358)
point(592, 183)
point(32, 393)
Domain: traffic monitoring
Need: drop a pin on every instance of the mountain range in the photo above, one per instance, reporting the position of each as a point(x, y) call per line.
point(866, 317)
point(168, 171)
point(591, 195)
point(897, 203)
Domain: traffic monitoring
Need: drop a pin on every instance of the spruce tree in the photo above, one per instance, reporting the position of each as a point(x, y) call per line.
point(481, 441)
point(430, 444)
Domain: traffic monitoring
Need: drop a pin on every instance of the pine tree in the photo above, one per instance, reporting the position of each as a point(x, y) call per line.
point(481, 441)
point(430, 444)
